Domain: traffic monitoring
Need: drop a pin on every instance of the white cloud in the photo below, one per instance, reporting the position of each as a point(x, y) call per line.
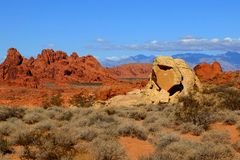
point(100, 40)
point(228, 39)
point(154, 42)
point(215, 40)
point(185, 44)
point(113, 58)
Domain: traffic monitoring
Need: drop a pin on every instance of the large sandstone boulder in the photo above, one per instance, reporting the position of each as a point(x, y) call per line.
point(170, 78)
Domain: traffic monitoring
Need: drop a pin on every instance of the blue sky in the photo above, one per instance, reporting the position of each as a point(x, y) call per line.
point(107, 28)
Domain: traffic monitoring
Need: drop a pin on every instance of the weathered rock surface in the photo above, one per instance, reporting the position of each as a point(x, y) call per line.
point(213, 74)
point(206, 71)
point(55, 71)
point(133, 70)
point(51, 66)
point(170, 78)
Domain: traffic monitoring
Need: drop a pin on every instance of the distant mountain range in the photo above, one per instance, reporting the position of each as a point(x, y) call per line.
point(228, 60)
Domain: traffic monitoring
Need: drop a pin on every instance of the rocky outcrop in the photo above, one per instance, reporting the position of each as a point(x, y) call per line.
point(14, 58)
point(15, 70)
point(51, 66)
point(213, 74)
point(170, 78)
point(133, 70)
point(206, 71)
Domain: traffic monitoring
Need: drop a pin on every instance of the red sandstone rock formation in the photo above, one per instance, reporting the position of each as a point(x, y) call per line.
point(213, 74)
point(50, 66)
point(134, 70)
point(206, 71)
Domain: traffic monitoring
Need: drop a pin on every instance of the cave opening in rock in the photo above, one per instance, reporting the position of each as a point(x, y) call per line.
point(162, 67)
point(67, 73)
point(29, 73)
point(175, 88)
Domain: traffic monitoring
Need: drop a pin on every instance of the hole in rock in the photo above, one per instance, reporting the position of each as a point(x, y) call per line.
point(67, 73)
point(162, 67)
point(29, 73)
point(175, 88)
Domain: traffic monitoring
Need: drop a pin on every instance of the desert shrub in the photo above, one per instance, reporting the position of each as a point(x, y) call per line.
point(52, 145)
point(55, 100)
point(156, 108)
point(218, 137)
point(32, 117)
point(238, 126)
point(25, 137)
point(187, 150)
point(107, 149)
point(133, 113)
point(229, 96)
point(87, 133)
point(236, 146)
point(4, 146)
point(101, 119)
point(58, 113)
point(132, 130)
point(153, 127)
point(151, 118)
point(66, 115)
point(6, 128)
point(44, 126)
point(80, 100)
point(176, 150)
point(213, 151)
point(8, 112)
point(110, 111)
point(230, 120)
point(193, 111)
point(190, 127)
point(161, 141)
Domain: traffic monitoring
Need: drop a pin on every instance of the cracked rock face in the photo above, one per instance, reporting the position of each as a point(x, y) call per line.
point(170, 78)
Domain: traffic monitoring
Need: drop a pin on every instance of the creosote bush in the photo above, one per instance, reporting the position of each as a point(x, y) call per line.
point(132, 130)
point(229, 96)
point(9, 112)
point(218, 137)
point(104, 148)
point(4, 146)
point(192, 110)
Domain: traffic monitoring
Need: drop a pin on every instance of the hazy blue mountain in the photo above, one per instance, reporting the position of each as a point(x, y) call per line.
point(229, 60)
